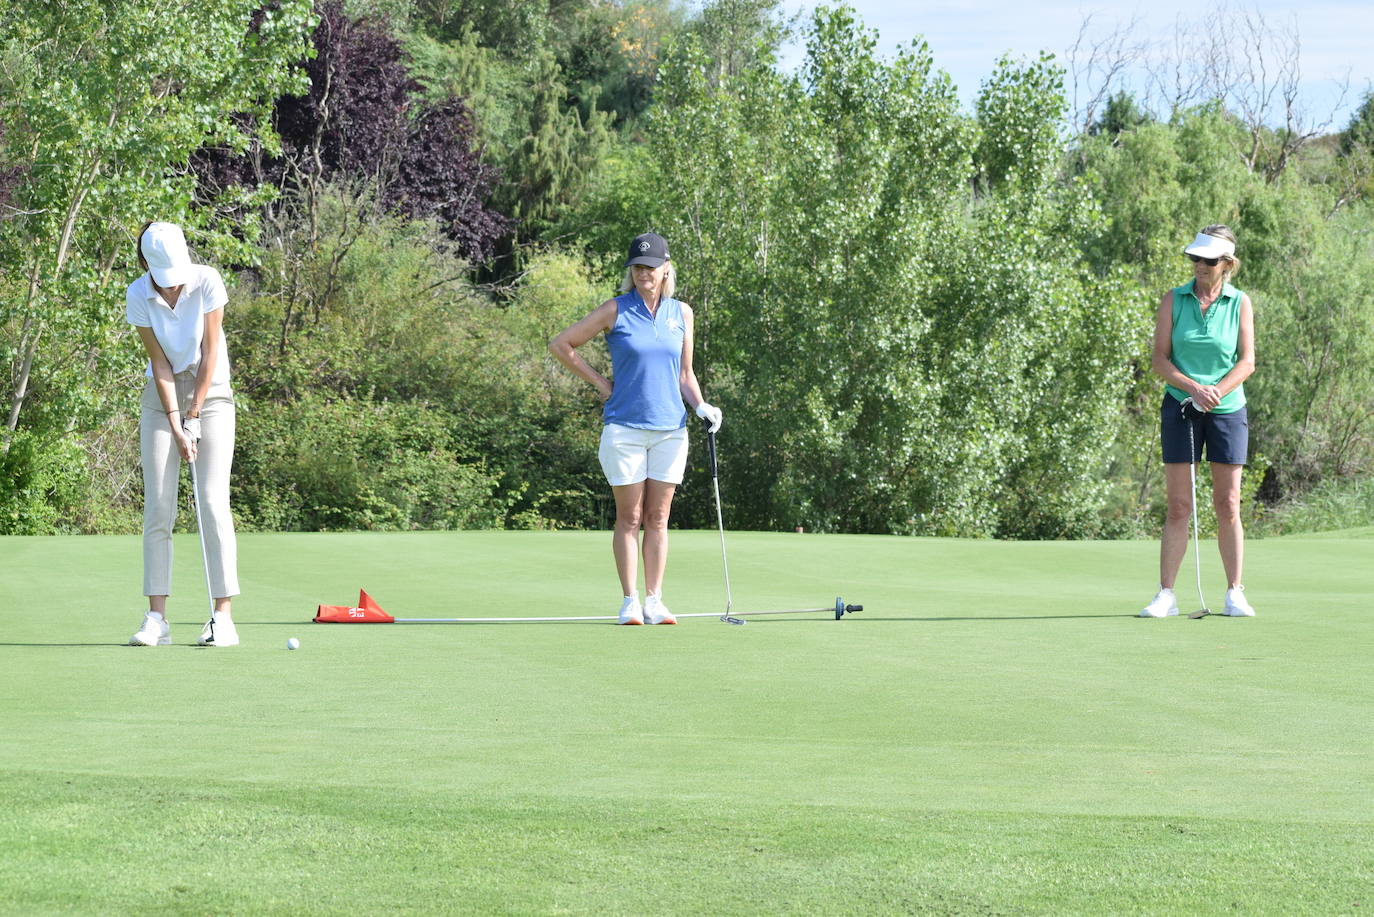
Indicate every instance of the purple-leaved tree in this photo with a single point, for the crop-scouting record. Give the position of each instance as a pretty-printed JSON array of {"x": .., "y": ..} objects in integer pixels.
[{"x": 361, "y": 119}]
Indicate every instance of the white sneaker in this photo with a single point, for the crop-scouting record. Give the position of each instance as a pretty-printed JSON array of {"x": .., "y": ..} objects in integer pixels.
[
  {"x": 1236, "y": 604},
  {"x": 219, "y": 631},
  {"x": 630, "y": 612},
  {"x": 154, "y": 632},
  {"x": 655, "y": 612},
  {"x": 1161, "y": 606}
]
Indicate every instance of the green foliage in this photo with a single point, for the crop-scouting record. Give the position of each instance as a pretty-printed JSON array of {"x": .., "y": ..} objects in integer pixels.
[
  {"x": 555, "y": 157},
  {"x": 1305, "y": 264},
  {"x": 607, "y": 54},
  {"x": 104, "y": 102},
  {"x": 738, "y": 34},
  {"x": 408, "y": 387},
  {"x": 498, "y": 89},
  {"x": 546, "y": 146},
  {"x": 1020, "y": 113},
  {"x": 918, "y": 319},
  {"x": 1122, "y": 113},
  {"x": 1360, "y": 131},
  {"x": 1334, "y": 504},
  {"x": 1313, "y": 401},
  {"x": 516, "y": 27},
  {"x": 555, "y": 290},
  {"x": 1159, "y": 183},
  {"x": 328, "y": 465},
  {"x": 621, "y": 200},
  {"x": 41, "y": 484},
  {"x": 894, "y": 355}
]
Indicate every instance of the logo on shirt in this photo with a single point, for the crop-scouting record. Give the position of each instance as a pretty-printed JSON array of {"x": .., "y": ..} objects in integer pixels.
[{"x": 674, "y": 326}]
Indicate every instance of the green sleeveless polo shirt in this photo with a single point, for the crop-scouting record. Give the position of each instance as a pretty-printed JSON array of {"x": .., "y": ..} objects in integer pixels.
[{"x": 1205, "y": 347}]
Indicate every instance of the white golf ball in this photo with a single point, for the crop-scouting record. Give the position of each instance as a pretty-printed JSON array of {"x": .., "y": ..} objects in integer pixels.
[{"x": 293, "y": 644}]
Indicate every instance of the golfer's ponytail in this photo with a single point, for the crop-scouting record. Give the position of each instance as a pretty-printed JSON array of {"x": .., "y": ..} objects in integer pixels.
[
  {"x": 1222, "y": 231},
  {"x": 138, "y": 244}
]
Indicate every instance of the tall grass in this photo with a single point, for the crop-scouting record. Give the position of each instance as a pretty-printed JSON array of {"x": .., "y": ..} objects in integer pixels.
[{"x": 1334, "y": 504}]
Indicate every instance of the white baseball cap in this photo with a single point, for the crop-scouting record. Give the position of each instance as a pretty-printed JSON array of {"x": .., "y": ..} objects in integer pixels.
[
  {"x": 1205, "y": 246},
  {"x": 164, "y": 248}
]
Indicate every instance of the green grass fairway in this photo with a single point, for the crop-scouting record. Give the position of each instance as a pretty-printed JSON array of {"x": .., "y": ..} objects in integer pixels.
[{"x": 995, "y": 734}]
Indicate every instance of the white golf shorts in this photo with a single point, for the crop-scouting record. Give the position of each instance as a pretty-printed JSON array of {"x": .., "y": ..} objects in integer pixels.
[{"x": 629, "y": 455}]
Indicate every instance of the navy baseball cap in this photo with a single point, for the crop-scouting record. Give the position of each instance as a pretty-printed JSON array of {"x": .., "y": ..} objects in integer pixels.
[{"x": 647, "y": 248}]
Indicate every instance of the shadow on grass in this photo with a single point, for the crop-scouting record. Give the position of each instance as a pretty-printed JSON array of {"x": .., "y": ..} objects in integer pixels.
[
  {"x": 1002, "y": 618},
  {"x": 768, "y": 620},
  {"x": 771, "y": 619}
]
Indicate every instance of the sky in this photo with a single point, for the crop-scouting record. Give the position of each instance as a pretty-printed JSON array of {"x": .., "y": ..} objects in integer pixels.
[{"x": 966, "y": 37}]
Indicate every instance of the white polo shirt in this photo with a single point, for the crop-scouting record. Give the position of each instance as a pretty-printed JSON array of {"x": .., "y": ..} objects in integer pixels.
[{"x": 181, "y": 330}]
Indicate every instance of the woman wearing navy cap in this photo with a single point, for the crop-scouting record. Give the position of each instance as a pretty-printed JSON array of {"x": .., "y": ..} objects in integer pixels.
[
  {"x": 1204, "y": 349},
  {"x": 644, "y": 438},
  {"x": 187, "y": 414}
]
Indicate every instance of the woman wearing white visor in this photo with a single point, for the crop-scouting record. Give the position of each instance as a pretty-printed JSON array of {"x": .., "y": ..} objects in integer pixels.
[
  {"x": 1204, "y": 349},
  {"x": 187, "y": 414},
  {"x": 644, "y": 434}
]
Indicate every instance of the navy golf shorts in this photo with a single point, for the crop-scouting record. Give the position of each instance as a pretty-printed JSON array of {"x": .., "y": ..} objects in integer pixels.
[{"x": 1226, "y": 436}]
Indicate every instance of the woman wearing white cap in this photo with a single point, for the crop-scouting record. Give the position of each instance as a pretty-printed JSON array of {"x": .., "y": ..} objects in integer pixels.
[
  {"x": 644, "y": 435},
  {"x": 187, "y": 414},
  {"x": 1204, "y": 349}
]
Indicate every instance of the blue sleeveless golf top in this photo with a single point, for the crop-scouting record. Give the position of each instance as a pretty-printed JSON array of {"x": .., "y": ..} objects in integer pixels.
[{"x": 646, "y": 362}]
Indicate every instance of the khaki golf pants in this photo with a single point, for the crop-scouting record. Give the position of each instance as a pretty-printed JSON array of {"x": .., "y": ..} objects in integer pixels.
[{"x": 161, "y": 473}]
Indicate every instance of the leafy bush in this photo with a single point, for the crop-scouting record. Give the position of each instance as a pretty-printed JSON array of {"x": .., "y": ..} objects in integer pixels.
[
  {"x": 332, "y": 465},
  {"x": 41, "y": 484},
  {"x": 399, "y": 369},
  {"x": 898, "y": 354}
]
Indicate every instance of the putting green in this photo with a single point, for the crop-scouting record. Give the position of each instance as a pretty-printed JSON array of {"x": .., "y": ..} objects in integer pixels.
[{"x": 995, "y": 732}]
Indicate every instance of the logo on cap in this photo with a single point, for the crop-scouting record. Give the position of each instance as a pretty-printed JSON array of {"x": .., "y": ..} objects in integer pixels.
[{"x": 644, "y": 246}]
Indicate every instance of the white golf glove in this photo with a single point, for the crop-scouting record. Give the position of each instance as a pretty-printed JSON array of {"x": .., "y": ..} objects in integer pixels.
[
  {"x": 191, "y": 427},
  {"x": 710, "y": 412}
]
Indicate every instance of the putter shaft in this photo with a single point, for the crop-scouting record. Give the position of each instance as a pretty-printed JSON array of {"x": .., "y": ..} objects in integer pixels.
[{"x": 1192, "y": 481}]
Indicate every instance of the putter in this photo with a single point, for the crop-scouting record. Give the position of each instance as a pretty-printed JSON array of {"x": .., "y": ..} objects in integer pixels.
[
  {"x": 725, "y": 617},
  {"x": 1203, "y": 611}
]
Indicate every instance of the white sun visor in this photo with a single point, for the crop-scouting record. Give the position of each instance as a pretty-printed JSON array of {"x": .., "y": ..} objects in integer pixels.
[{"x": 1205, "y": 246}]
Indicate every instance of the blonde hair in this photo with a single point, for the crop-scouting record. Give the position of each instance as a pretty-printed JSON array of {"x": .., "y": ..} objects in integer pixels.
[
  {"x": 669, "y": 280},
  {"x": 1222, "y": 231}
]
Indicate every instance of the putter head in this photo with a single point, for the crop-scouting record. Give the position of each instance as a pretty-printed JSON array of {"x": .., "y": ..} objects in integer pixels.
[
  {"x": 1200, "y": 613},
  {"x": 728, "y": 619}
]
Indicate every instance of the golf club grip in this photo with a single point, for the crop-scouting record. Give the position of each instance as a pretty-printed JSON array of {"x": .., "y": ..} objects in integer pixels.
[{"x": 710, "y": 445}]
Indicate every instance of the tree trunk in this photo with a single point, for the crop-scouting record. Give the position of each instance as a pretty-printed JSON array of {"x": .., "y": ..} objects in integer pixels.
[
  {"x": 33, "y": 331},
  {"x": 28, "y": 346}
]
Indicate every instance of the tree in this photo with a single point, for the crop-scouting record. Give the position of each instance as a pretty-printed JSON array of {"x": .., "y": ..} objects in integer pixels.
[
  {"x": 1359, "y": 133},
  {"x": 516, "y": 27},
  {"x": 1019, "y": 111},
  {"x": 363, "y": 119},
  {"x": 891, "y": 348},
  {"x": 1121, "y": 113},
  {"x": 738, "y": 34},
  {"x": 102, "y": 129},
  {"x": 556, "y": 156}
]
